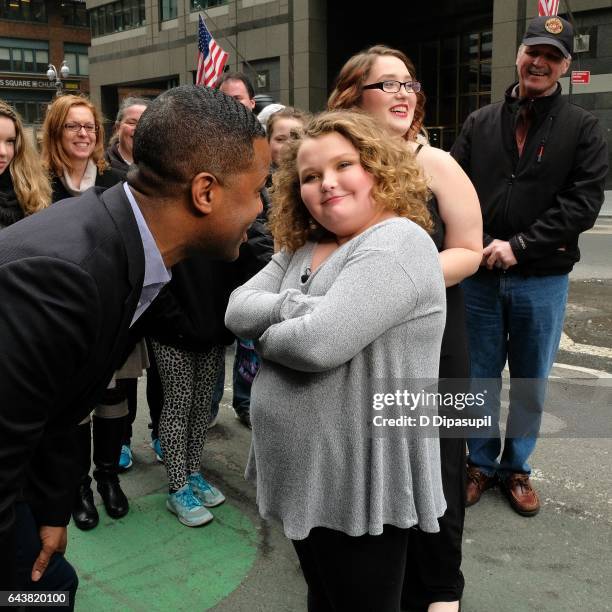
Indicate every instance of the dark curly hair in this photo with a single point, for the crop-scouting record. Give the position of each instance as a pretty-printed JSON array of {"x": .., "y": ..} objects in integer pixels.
[{"x": 191, "y": 129}]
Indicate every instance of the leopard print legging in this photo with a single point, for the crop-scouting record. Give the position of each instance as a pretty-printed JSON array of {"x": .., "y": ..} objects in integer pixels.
[{"x": 188, "y": 380}]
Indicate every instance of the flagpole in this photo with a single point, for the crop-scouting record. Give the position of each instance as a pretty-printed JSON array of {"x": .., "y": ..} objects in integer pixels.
[
  {"x": 570, "y": 14},
  {"x": 239, "y": 55}
]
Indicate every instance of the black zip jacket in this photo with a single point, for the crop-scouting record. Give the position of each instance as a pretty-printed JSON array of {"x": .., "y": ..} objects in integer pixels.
[
  {"x": 189, "y": 312},
  {"x": 541, "y": 201},
  {"x": 113, "y": 157}
]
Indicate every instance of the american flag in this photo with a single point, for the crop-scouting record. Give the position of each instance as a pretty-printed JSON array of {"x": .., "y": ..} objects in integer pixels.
[
  {"x": 548, "y": 7},
  {"x": 211, "y": 57}
]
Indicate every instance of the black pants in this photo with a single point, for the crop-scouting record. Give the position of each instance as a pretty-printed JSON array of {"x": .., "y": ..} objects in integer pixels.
[
  {"x": 362, "y": 574},
  {"x": 59, "y": 575},
  {"x": 433, "y": 568},
  {"x": 130, "y": 388}
]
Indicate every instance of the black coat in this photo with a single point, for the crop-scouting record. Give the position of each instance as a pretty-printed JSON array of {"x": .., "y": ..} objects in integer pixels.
[
  {"x": 113, "y": 157},
  {"x": 189, "y": 312},
  {"x": 542, "y": 200},
  {"x": 70, "y": 279},
  {"x": 106, "y": 179}
]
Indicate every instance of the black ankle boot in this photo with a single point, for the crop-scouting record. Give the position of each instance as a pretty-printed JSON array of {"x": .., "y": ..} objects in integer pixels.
[
  {"x": 84, "y": 511},
  {"x": 107, "y": 436},
  {"x": 114, "y": 498}
]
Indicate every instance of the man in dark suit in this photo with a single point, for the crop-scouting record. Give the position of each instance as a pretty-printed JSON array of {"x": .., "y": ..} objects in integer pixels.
[{"x": 75, "y": 277}]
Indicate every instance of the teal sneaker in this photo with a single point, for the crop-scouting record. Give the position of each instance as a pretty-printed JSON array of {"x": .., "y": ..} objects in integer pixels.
[
  {"x": 210, "y": 496},
  {"x": 157, "y": 449},
  {"x": 125, "y": 458},
  {"x": 188, "y": 508}
]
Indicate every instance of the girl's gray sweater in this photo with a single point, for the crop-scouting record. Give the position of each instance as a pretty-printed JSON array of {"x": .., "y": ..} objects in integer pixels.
[{"x": 368, "y": 319}]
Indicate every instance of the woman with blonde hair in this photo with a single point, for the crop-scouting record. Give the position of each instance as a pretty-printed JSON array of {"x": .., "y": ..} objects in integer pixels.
[
  {"x": 24, "y": 186},
  {"x": 382, "y": 82},
  {"x": 73, "y": 147},
  {"x": 350, "y": 218}
]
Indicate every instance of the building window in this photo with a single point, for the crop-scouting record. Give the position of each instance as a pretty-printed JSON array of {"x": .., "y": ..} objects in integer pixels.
[
  {"x": 116, "y": 17},
  {"x": 167, "y": 10},
  {"x": 17, "y": 55},
  {"x": 31, "y": 111},
  {"x": 456, "y": 75},
  {"x": 198, "y": 5},
  {"x": 23, "y": 10},
  {"x": 77, "y": 59},
  {"x": 74, "y": 14},
  {"x": 265, "y": 76}
]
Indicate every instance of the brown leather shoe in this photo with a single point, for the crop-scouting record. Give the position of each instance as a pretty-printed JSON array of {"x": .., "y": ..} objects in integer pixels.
[
  {"x": 521, "y": 494},
  {"x": 477, "y": 483}
]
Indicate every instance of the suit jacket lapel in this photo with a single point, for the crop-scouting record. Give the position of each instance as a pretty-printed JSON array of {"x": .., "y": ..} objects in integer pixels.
[{"x": 119, "y": 208}]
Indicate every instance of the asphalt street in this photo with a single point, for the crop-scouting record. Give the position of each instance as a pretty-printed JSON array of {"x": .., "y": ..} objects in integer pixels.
[{"x": 558, "y": 561}]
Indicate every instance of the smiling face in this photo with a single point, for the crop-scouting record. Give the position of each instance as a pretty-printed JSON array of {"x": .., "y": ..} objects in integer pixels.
[
  {"x": 281, "y": 132},
  {"x": 8, "y": 137},
  {"x": 335, "y": 188},
  {"x": 79, "y": 146},
  {"x": 395, "y": 111},
  {"x": 127, "y": 127},
  {"x": 539, "y": 68}
]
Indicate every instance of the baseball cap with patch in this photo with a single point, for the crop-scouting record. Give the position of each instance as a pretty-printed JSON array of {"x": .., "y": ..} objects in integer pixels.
[{"x": 551, "y": 30}]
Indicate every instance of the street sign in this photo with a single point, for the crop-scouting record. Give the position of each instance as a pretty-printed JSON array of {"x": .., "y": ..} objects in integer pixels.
[{"x": 581, "y": 77}]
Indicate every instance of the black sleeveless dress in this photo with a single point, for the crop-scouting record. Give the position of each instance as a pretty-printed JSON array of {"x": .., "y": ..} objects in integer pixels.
[{"x": 433, "y": 567}]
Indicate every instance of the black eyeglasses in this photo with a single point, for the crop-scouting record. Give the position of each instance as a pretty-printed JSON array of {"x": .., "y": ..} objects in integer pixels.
[{"x": 395, "y": 86}]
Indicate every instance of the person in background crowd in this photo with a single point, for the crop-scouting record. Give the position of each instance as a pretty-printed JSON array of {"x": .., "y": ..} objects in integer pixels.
[
  {"x": 73, "y": 152},
  {"x": 382, "y": 82},
  {"x": 255, "y": 253},
  {"x": 100, "y": 261},
  {"x": 239, "y": 87},
  {"x": 24, "y": 186},
  {"x": 345, "y": 213},
  {"x": 279, "y": 128},
  {"x": 246, "y": 362},
  {"x": 73, "y": 148},
  {"x": 267, "y": 112},
  {"x": 119, "y": 155},
  {"x": 540, "y": 186},
  {"x": 188, "y": 338}
]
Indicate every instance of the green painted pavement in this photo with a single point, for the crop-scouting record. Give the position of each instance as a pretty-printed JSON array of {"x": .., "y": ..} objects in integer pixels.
[{"x": 148, "y": 561}]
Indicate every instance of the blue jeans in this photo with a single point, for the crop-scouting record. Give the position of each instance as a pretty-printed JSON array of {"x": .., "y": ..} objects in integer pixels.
[
  {"x": 241, "y": 401},
  {"x": 520, "y": 319}
]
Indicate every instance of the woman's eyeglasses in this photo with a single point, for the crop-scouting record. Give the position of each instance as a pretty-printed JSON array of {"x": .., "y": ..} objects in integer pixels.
[
  {"x": 395, "y": 86},
  {"x": 90, "y": 128}
]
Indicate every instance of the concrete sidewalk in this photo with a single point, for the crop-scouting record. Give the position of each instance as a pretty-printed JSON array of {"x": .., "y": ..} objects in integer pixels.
[{"x": 557, "y": 561}]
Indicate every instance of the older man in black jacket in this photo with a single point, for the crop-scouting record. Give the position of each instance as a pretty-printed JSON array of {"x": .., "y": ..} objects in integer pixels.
[
  {"x": 76, "y": 276},
  {"x": 539, "y": 188}
]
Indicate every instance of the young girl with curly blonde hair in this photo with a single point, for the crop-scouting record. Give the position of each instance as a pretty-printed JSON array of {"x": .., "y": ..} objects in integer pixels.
[{"x": 353, "y": 302}]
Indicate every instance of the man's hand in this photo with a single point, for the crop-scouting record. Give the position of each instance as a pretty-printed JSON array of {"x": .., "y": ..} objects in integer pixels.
[
  {"x": 53, "y": 539},
  {"x": 498, "y": 254}
]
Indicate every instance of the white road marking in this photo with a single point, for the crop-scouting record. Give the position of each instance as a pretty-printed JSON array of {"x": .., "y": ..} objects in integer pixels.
[{"x": 567, "y": 344}]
